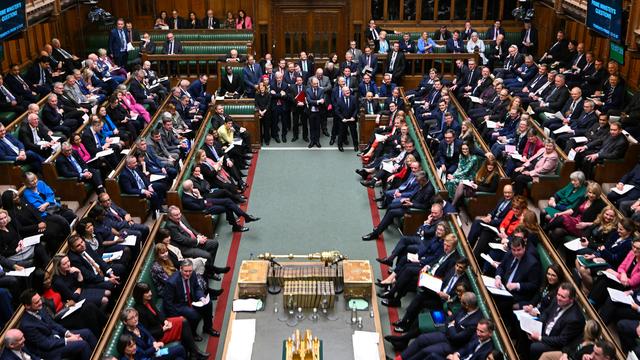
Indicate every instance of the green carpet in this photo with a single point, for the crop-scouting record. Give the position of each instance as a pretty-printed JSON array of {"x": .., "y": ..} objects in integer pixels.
[{"x": 309, "y": 201}]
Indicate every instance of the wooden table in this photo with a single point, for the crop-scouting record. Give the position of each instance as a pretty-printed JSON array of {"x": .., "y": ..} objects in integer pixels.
[{"x": 335, "y": 335}]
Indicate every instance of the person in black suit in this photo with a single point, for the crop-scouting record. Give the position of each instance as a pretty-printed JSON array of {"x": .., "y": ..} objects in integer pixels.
[
  {"x": 458, "y": 332},
  {"x": 14, "y": 347},
  {"x": 35, "y": 137},
  {"x": 175, "y": 22},
  {"x": 307, "y": 65},
  {"x": 347, "y": 113},
  {"x": 315, "y": 108},
  {"x": 562, "y": 323},
  {"x": 11, "y": 102},
  {"x": 528, "y": 39},
  {"x": 133, "y": 181},
  {"x": 429, "y": 299},
  {"x": 118, "y": 44},
  {"x": 555, "y": 99},
  {"x": 298, "y": 109},
  {"x": 479, "y": 347},
  {"x": 18, "y": 86},
  {"x": 69, "y": 60},
  {"x": 39, "y": 76},
  {"x": 612, "y": 147},
  {"x": 191, "y": 243},
  {"x": 11, "y": 149},
  {"x": 278, "y": 90},
  {"x": 70, "y": 165},
  {"x": 448, "y": 153},
  {"x": 494, "y": 218},
  {"x": 171, "y": 47},
  {"x": 558, "y": 51},
  {"x": 58, "y": 118},
  {"x": 454, "y": 44},
  {"x": 396, "y": 64},
  {"x": 470, "y": 77},
  {"x": 493, "y": 31},
  {"x": 442, "y": 34},
  {"x": 194, "y": 201},
  {"x": 139, "y": 90},
  {"x": 47, "y": 338},
  {"x": 467, "y": 31},
  {"x": 147, "y": 46},
  {"x": 210, "y": 21},
  {"x": 231, "y": 84},
  {"x": 95, "y": 272},
  {"x": 571, "y": 111},
  {"x": 372, "y": 33},
  {"x": 180, "y": 292}
]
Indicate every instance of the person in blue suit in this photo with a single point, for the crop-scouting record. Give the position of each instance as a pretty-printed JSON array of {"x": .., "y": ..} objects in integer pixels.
[
  {"x": 118, "y": 44},
  {"x": 347, "y": 113},
  {"x": 42, "y": 197},
  {"x": 251, "y": 75},
  {"x": 455, "y": 45},
  {"x": 11, "y": 149},
  {"x": 46, "y": 338},
  {"x": 180, "y": 292},
  {"x": 14, "y": 348},
  {"x": 198, "y": 90},
  {"x": 133, "y": 181},
  {"x": 119, "y": 219}
]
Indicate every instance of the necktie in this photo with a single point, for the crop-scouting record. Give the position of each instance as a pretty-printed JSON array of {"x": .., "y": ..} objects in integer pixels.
[
  {"x": 24, "y": 84},
  {"x": 551, "y": 94},
  {"x": 369, "y": 60},
  {"x": 346, "y": 100},
  {"x": 299, "y": 89},
  {"x": 171, "y": 48},
  {"x": 450, "y": 150},
  {"x": 370, "y": 107},
  {"x": 470, "y": 76},
  {"x": 93, "y": 263},
  {"x": 115, "y": 213},
  {"x": 186, "y": 229},
  {"x": 95, "y": 136},
  {"x": 527, "y": 39},
  {"x": 495, "y": 33},
  {"x": 374, "y": 32},
  {"x": 75, "y": 164},
  {"x": 36, "y": 137},
  {"x": 215, "y": 153},
  {"x": 393, "y": 60},
  {"x": 187, "y": 291},
  {"x": 304, "y": 66},
  {"x": 7, "y": 94},
  {"x": 453, "y": 280},
  {"x": 210, "y": 23},
  {"x": 43, "y": 76},
  {"x": 573, "y": 106},
  {"x": 123, "y": 40},
  {"x": 138, "y": 179},
  {"x": 512, "y": 270},
  {"x": 15, "y": 149},
  {"x": 175, "y": 23},
  {"x": 251, "y": 67},
  {"x": 553, "y": 321}
]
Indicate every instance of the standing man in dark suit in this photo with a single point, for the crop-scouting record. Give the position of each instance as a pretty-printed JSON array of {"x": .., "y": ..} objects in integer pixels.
[
  {"x": 118, "y": 44},
  {"x": 469, "y": 79},
  {"x": 175, "y": 22},
  {"x": 307, "y": 65},
  {"x": 347, "y": 114},
  {"x": 180, "y": 292},
  {"x": 562, "y": 323},
  {"x": 315, "y": 109},
  {"x": 368, "y": 62},
  {"x": 132, "y": 181},
  {"x": 528, "y": 39},
  {"x": 171, "y": 47},
  {"x": 279, "y": 89},
  {"x": 297, "y": 97},
  {"x": 495, "y": 30},
  {"x": 191, "y": 243},
  {"x": 396, "y": 64},
  {"x": 210, "y": 22},
  {"x": 46, "y": 337},
  {"x": 14, "y": 348},
  {"x": 251, "y": 75},
  {"x": 70, "y": 165}
]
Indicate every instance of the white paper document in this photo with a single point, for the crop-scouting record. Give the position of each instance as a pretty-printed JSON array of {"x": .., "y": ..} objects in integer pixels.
[
  {"x": 388, "y": 166},
  {"x": 243, "y": 335},
  {"x": 112, "y": 256},
  {"x": 130, "y": 240},
  {"x": 522, "y": 314},
  {"x": 510, "y": 149},
  {"x": 490, "y": 124},
  {"x": 563, "y": 129},
  {"x": 31, "y": 240},
  {"x": 611, "y": 276},
  {"x": 430, "y": 282},
  {"x": 237, "y": 142},
  {"x": 202, "y": 303},
  {"x": 21, "y": 273},
  {"x": 571, "y": 155},
  {"x": 413, "y": 257},
  {"x": 379, "y": 137},
  {"x": 516, "y": 156},
  {"x": 114, "y": 139},
  {"x": 497, "y": 246},
  {"x": 365, "y": 345},
  {"x": 250, "y": 305},
  {"x": 102, "y": 153},
  {"x": 492, "y": 228},
  {"x": 556, "y": 115},
  {"x": 530, "y": 325},
  {"x": 580, "y": 139},
  {"x": 490, "y": 283},
  {"x": 73, "y": 308},
  {"x": 625, "y": 189},
  {"x": 620, "y": 296},
  {"x": 468, "y": 183},
  {"x": 574, "y": 245},
  {"x": 475, "y": 99},
  {"x": 229, "y": 148},
  {"x": 155, "y": 177},
  {"x": 487, "y": 258}
]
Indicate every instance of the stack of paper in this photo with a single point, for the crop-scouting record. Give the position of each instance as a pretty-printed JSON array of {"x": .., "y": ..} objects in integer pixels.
[
  {"x": 112, "y": 256},
  {"x": 620, "y": 296},
  {"x": 490, "y": 283},
  {"x": 563, "y": 129},
  {"x": 21, "y": 273},
  {"x": 73, "y": 308},
  {"x": 497, "y": 246},
  {"x": 365, "y": 345},
  {"x": 430, "y": 282},
  {"x": 247, "y": 305},
  {"x": 129, "y": 240},
  {"x": 243, "y": 334},
  {"x": 530, "y": 325},
  {"x": 625, "y": 189},
  {"x": 490, "y": 124},
  {"x": 31, "y": 240},
  {"x": 574, "y": 245},
  {"x": 492, "y": 228}
]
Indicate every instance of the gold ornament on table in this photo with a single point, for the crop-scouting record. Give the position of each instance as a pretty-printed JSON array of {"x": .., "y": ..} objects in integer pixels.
[
  {"x": 307, "y": 348},
  {"x": 327, "y": 257}
]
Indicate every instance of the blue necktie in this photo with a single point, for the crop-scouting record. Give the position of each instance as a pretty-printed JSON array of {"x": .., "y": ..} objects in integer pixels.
[
  {"x": 75, "y": 164},
  {"x": 138, "y": 179}
]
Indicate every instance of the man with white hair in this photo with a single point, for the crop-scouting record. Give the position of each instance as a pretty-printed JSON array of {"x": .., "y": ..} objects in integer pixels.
[
  {"x": 72, "y": 89},
  {"x": 155, "y": 83},
  {"x": 70, "y": 61},
  {"x": 14, "y": 348},
  {"x": 35, "y": 137},
  {"x": 61, "y": 117}
]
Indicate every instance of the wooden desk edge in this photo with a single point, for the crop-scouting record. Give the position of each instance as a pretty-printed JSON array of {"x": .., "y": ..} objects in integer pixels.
[{"x": 374, "y": 303}]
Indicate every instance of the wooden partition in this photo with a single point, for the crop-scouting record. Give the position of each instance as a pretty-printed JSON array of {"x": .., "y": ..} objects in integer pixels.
[{"x": 367, "y": 122}]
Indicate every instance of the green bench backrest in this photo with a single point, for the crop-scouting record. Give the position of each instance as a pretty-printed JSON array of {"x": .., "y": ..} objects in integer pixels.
[
  {"x": 512, "y": 37},
  {"x": 416, "y": 141},
  {"x": 239, "y": 109},
  {"x": 194, "y": 147},
  {"x": 209, "y": 49}
]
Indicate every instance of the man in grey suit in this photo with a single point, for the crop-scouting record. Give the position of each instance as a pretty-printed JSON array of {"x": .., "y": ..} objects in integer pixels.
[{"x": 324, "y": 83}]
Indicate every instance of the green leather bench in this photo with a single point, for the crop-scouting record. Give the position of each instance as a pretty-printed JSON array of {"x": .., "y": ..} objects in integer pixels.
[
  {"x": 6, "y": 117},
  {"x": 512, "y": 37},
  {"x": 157, "y": 38},
  {"x": 239, "y": 109}
]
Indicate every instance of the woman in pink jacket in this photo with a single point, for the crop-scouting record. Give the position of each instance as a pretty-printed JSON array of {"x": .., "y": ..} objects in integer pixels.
[
  {"x": 130, "y": 103},
  {"x": 243, "y": 21},
  {"x": 545, "y": 161}
]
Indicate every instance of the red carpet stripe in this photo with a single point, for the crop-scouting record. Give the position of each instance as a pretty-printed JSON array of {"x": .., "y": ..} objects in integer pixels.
[
  {"x": 221, "y": 306},
  {"x": 382, "y": 251}
]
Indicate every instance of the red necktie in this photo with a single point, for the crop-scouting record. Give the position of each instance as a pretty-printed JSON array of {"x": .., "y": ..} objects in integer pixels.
[
  {"x": 186, "y": 229},
  {"x": 187, "y": 291}
]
